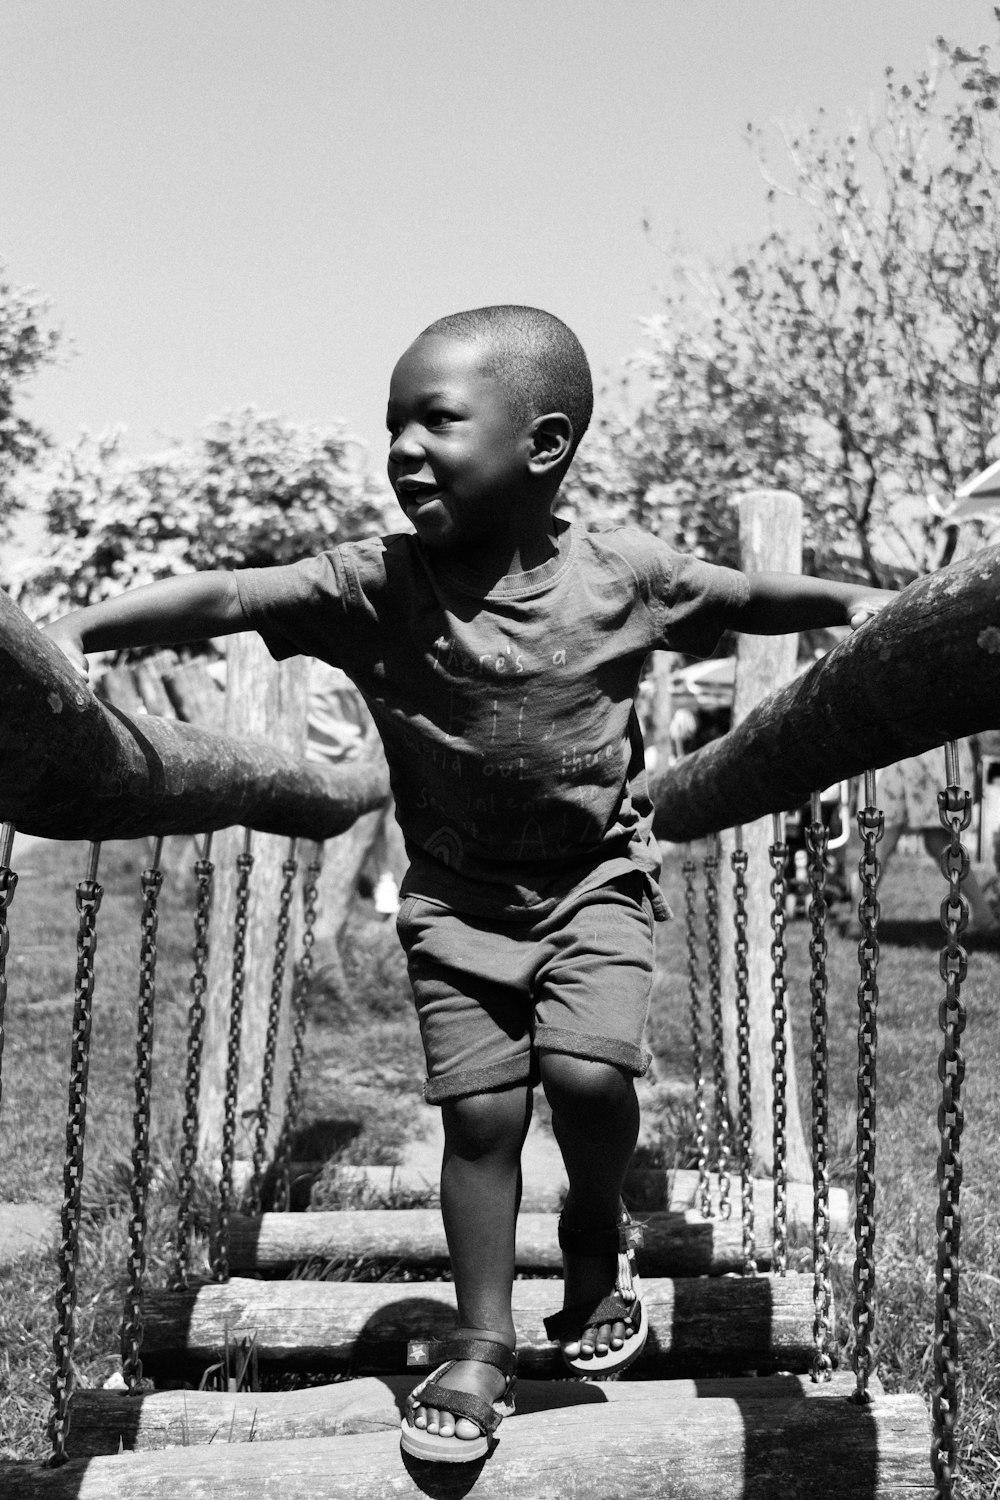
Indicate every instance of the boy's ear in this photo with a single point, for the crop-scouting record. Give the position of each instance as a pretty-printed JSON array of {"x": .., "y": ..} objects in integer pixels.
[{"x": 551, "y": 438}]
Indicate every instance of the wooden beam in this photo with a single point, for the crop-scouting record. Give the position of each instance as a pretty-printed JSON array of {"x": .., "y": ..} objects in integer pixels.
[
  {"x": 112, "y": 1421},
  {"x": 926, "y": 670},
  {"x": 699, "y": 1325},
  {"x": 715, "y": 1449},
  {"x": 74, "y": 768},
  {"x": 676, "y": 1244},
  {"x": 646, "y": 1190}
]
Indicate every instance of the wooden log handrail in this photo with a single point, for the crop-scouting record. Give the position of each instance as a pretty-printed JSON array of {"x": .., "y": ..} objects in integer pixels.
[
  {"x": 74, "y": 768},
  {"x": 925, "y": 671}
]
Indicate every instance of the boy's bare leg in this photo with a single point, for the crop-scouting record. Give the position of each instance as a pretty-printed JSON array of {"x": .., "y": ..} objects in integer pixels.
[
  {"x": 595, "y": 1118},
  {"x": 480, "y": 1195}
]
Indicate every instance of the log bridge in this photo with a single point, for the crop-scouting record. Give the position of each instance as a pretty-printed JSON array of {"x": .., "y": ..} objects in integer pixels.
[{"x": 728, "y": 1398}]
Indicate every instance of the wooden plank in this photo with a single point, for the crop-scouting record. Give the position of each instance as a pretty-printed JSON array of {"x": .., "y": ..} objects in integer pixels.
[
  {"x": 676, "y": 1244},
  {"x": 698, "y": 1326},
  {"x": 75, "y": 769},
  {"x": 598, "y": 1450},
  {"x": 111, "y": 1421},
  {"x": 646, "y": 1190},
  {"x": 926, "y": 670}
]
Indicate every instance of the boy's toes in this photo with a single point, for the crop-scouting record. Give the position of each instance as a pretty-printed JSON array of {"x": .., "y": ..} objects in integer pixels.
[
  {"x": 443, "y": 1423},
  {"x": 597, "y": 1341}
]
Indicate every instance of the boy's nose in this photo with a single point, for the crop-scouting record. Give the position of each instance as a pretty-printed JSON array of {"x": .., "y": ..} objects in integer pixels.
[{"x": 405, "y": 445}]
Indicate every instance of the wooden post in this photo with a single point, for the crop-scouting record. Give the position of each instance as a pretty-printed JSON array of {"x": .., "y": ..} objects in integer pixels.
[
  {"x": 267, "y": 700},
  {"x": 770, "y": 541}
]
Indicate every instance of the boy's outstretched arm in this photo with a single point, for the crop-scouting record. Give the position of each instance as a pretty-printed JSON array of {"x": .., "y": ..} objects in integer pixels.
[
  {"x": 168, "y": 613},
  {"x": 780, "y": 603}
]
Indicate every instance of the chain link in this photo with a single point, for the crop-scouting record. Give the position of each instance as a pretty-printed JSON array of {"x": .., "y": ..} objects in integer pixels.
[
  {"x": 244, "y": 866},
  {"x": 778, "y": 855},
  {"x": 88, "y": 901},
  {"x": 723, "y": 1125},
  {"x": 955, "y": 807},
  {"x": 131, "y": 1340},
  {"x": 300, "y": 994},
  {"x": 203, "y": 871},
  {"x": 817, "y": 839},
  {"x": 289, "y": 870},
  {"x": 871, "y": 825},
  {"x": 703, "y": 1195},
  {"x": 739, "y": 860},
  {"x": 8, "y": 885}
]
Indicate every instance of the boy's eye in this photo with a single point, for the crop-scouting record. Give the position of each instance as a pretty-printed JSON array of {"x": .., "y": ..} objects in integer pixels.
[{"x": 440, "y": 417}]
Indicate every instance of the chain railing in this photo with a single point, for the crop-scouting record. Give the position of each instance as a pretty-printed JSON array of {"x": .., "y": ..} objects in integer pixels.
[
  {"x": 871, "y": 827},
  {"x": 956, "y": 812},
  {"x": 817, "y": 840},
  {"x": 220, "y": 1249},
  {"x": 8, "y": 885},
  {"x": 289, "y": 871},
  {"x": 778, "y": 855},
  {"x": 152, "y": 881},
  {"x": 88, "y": 902},
  {"x": 203, "y": 873}
]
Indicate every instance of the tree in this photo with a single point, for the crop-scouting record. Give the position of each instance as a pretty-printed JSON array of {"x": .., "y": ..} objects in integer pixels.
[
  {"x": 25, "y": 346},
  {"x": 250, "y": 491},
  {"x": 852, "y": 356}
]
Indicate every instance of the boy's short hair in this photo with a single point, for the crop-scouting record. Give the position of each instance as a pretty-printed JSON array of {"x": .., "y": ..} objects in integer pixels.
[{"x": 536, "y": 358}]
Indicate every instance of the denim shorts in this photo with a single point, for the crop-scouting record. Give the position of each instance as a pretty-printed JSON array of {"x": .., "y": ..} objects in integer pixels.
[{"x": 491, "y": 995}]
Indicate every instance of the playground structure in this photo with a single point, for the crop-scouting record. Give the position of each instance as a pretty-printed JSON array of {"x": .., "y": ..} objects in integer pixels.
[{"x": 722, "y": 1301}]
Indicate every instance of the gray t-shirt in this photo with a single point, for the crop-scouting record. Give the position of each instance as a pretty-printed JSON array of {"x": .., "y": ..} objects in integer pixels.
[{"x": 506, "y": 709}]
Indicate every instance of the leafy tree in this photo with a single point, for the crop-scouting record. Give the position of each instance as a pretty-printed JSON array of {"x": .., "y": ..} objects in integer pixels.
[
  {"x": 852, "y": 356},
  {"x": 252, "y": 490},
  {"x": 25, "y": 346}
]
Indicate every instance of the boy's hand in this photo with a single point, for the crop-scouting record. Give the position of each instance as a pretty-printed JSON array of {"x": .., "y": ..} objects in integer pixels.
[
  {"x": 866, "y": 609},
  {"x": 69, "y": 644}
]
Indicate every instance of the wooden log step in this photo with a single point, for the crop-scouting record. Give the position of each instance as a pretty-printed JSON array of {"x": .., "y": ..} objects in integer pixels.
[
  {"x": 676, "y": 1244},
  {"x": 719, "y": 1449},
  {"x": 699, "y": 1325},
  {"x": 647, "y": 1189},
  {"x": 111, "y": 1421}
]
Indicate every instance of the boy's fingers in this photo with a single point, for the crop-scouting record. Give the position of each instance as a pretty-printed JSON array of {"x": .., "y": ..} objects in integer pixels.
[{"x": 862, "y": 613}]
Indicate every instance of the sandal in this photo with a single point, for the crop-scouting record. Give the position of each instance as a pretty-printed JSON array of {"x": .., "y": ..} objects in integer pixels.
[
  {"x": 623, "y": 1305},
  {"x": 487, "y": 1415}
]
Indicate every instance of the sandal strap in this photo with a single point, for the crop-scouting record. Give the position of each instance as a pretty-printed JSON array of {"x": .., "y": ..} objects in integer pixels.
[
  {"x": 484, "y": 1351},
  {"x": 441, "y": 1397},
  {"x": 570, "y": 1322}
]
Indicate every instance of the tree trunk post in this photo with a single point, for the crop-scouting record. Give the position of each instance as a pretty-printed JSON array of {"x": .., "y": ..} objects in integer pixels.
[
  {"x": 265, "y": 700},
  {"x": 770, "y": 541}
]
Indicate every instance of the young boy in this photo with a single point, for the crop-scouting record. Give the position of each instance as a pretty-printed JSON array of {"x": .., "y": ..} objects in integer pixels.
[{"x": 499, "y": 649}]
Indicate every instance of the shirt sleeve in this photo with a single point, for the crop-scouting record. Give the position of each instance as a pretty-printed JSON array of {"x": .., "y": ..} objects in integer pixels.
[
  {"x": 298, "y": 608},
  {"x": 694, "y": 602}
]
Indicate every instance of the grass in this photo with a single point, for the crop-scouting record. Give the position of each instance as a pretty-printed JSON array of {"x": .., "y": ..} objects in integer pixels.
[{"x": 361, "y": 1083}]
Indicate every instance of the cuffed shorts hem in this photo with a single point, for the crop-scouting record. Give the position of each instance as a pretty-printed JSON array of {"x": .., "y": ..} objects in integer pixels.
[
  {"x": 593, "y": 1047},
  {"x": 522, "y": 1069}
]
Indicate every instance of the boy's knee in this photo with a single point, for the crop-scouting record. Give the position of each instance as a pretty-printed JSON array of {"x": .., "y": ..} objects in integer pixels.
[
  {"x": 479, "y": 1124},
  {"x": 582, "y": 1084}
]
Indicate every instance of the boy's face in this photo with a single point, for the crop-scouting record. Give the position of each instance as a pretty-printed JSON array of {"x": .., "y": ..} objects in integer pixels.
[{"x": 458, "y": 463}]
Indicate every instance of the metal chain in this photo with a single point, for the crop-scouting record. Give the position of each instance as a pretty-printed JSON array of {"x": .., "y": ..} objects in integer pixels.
[
  {"x": 300, "y": 993},
  {"x": 871, "y": 826},
  {"x": 778, "y": 854},
  {"x": 8, "y": 885},
  {"x": 244, "y": 866},
  {"x": 703, "y": 1195},
  {"x": 817, "y": 839},
  {"x": 289, "y": 870},
  {"x": 955, "y": 806},
  {"x": 88, "y": 901},
  {"x": 131, "y": 1340},
  {"x": 203, "y": 870},
  {"x": 739, "y": 860},
  {"x": 723, "y": 1125}
]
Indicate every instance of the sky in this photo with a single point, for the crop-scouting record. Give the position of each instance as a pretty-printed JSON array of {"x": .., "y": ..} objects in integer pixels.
[{"x": 262, "y": 202}]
